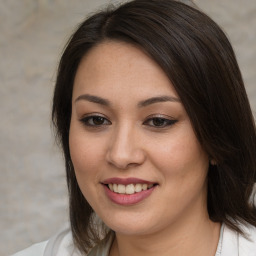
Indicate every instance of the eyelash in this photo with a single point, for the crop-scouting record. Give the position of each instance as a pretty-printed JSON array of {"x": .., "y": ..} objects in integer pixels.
[
  {"x": 164, "y": 122},
  {"x": 92, "y": 118},
  {"x": 89, "y": 121}
]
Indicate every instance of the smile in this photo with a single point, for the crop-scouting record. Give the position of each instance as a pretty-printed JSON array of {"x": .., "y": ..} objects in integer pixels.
[{"x": 129, "y": 189}]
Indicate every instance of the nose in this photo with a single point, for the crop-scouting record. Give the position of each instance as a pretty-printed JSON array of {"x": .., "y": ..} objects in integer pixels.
[{"x": 125, "y": 149}]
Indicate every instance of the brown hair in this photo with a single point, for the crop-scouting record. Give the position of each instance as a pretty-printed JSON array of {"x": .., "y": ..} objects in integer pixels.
[{"x": 198, "y": 59}]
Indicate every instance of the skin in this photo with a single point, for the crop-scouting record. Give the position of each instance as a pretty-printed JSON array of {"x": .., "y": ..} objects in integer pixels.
[{"x": 127, "y": 141}]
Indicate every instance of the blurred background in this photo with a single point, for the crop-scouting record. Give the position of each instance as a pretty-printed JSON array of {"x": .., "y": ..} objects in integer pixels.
[{"x": 33, "y": 196}]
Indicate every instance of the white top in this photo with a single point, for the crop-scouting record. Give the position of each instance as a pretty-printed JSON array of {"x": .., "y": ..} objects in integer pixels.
[{"x": 230, "y": 244}]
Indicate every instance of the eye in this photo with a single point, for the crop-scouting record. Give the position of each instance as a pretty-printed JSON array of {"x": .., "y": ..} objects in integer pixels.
[
  {"x": 95, "y": 121},
  {"x": 159, "y": 122}
]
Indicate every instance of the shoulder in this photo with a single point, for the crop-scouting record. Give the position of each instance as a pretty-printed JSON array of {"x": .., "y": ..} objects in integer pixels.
[
  {"x": 59, "y": 245},
  {"x": 247, "y": 245},
  {"x": 237, "y": 244},
  {"x": 36, "y": 249}
]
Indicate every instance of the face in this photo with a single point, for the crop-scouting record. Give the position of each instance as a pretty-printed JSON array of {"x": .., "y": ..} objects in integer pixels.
[{"x": 134, "y": 151}]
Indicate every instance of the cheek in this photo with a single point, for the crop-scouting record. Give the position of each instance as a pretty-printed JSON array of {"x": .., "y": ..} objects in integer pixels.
[
  {"x": 85, "y": 153},
  {"x": 182, "y": 162},
  {"x": 184, "y": 169},
  {"x": 86, "y": 162}
]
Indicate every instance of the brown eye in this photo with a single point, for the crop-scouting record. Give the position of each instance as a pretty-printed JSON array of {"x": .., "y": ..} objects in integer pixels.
[
  {"x": 98, "y": 120},
  {"x": 159, "y": 122},
  {"x": 95, "y": 121}
]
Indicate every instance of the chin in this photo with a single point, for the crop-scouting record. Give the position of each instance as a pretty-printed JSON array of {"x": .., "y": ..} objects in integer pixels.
[
  {"x": 131, "y": 225},
  {"x": 129, "y": 230}
]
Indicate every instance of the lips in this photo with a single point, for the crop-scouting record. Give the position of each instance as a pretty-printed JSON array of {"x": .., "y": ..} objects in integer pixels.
[{"x": 128, "y": 191}]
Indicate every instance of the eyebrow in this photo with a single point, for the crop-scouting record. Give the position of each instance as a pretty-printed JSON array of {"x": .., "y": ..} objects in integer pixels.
[
  {"x": 144, "y": 103},
  {"x": 94, "y": 99},
  {"x": 158, "y": 99}
]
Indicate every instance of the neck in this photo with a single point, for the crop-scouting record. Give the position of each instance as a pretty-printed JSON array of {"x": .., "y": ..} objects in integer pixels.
[{"x": 197, "y": 238}]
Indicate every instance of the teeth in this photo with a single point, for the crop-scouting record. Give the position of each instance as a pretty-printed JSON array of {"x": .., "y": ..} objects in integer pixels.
[
  {"x": 111, "y": 187},
  {"x": 121, "y": 189},
  {"x": 115, "y": 188},
  {"x": 138, "y": 188},
  {"x": 129, "y": 189},
  {"x": 144, "y": 187}
]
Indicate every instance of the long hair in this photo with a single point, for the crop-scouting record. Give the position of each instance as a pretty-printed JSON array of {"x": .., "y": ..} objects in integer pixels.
[{"x": 198, "y": 59}]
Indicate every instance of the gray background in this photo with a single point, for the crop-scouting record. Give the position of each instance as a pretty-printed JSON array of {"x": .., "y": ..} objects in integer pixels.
[{"x": 33, "y": 197}]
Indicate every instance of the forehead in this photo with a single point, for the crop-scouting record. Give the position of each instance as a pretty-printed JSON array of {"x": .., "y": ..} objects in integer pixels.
[{"x": 118, "y": 68}]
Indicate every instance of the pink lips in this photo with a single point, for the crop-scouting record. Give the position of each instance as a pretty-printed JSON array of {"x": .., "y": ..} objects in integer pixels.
[{"x": 124, "y": 199}]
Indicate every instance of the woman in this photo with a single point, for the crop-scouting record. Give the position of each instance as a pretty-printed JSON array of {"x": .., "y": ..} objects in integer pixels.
[{"x": 158, "y": 137}]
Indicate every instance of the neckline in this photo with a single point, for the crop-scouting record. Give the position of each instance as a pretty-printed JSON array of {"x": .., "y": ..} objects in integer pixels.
[{"x": 219, "y": 246}]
